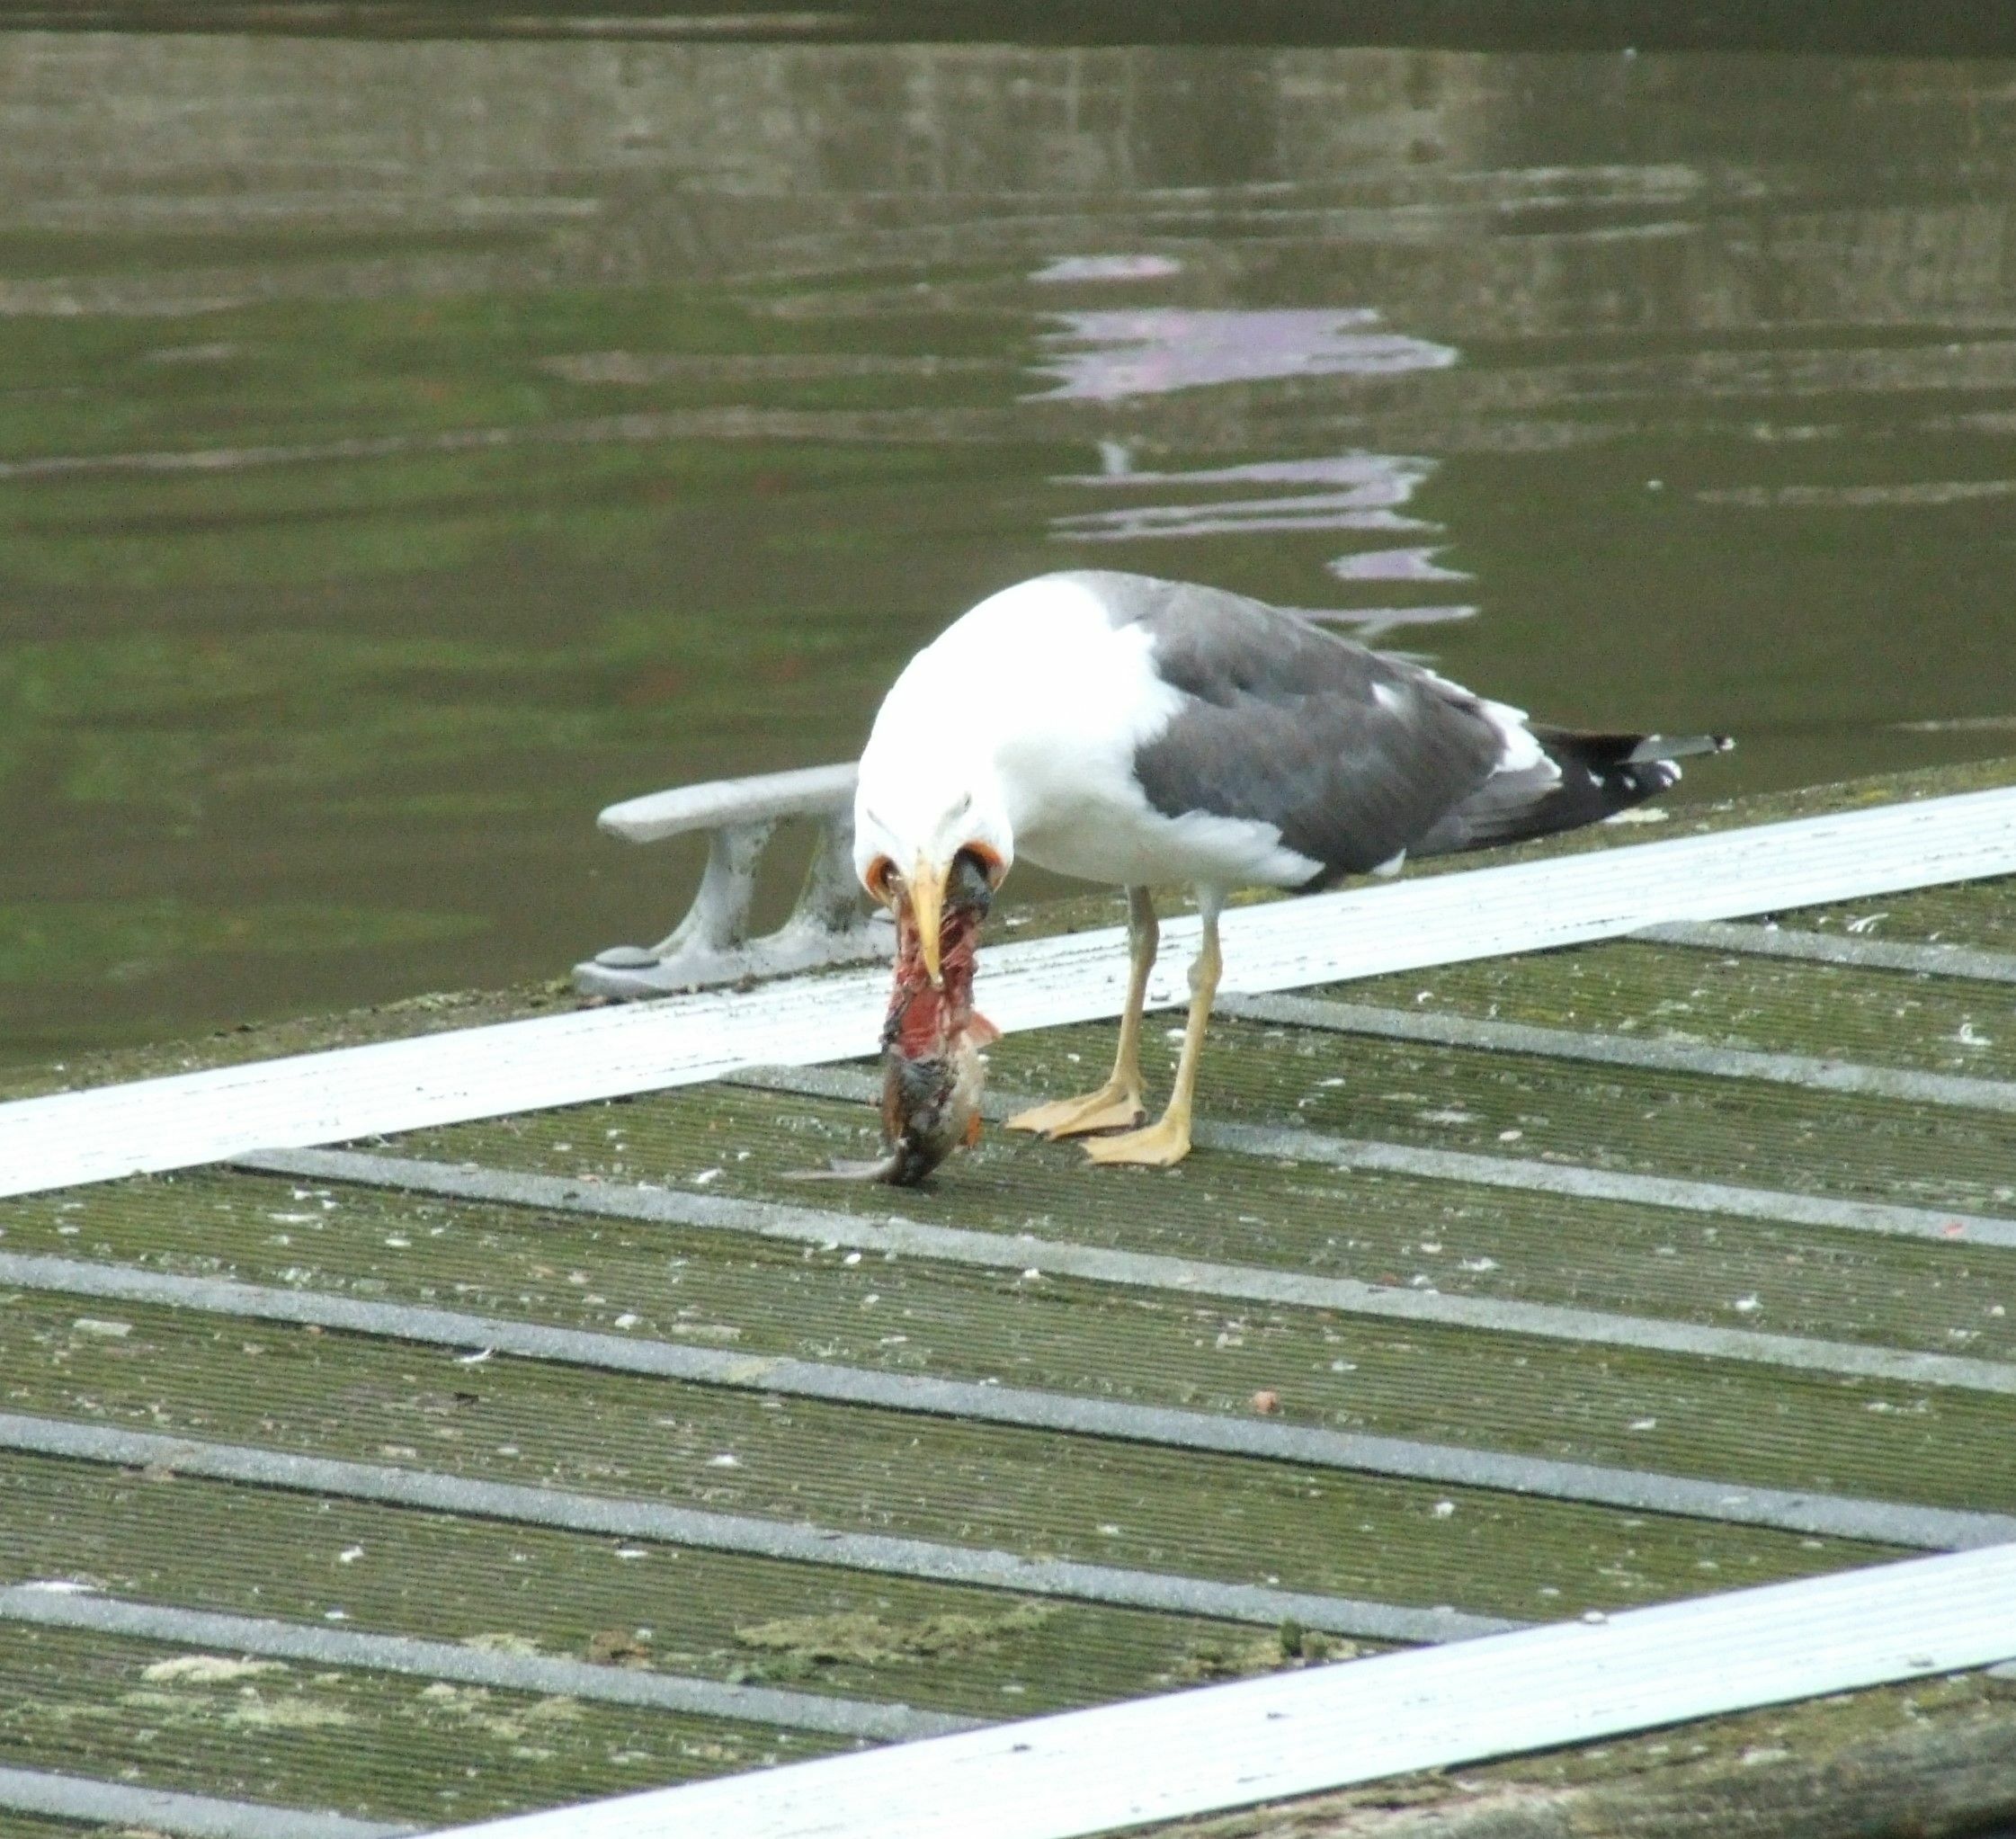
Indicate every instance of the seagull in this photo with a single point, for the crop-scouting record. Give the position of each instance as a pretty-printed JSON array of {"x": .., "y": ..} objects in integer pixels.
[{"x": 1150, "y": 732}]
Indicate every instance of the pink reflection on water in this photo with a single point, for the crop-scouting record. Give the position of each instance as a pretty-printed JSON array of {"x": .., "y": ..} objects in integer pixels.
[
  {"x": 1363, "y": 491},
  {"x": 1151, "y": 350},
  {"x": 1395, "y": 565},
  {"x": 1317, "y": 511},
  {"x": 1346, "y": 491},
  {"x": 1108, "y": 268}
]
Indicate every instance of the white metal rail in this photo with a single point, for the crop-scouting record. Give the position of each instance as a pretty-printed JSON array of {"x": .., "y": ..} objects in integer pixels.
[
  {"x": 333, "y": 1097},
  {"x": 1124, "y": 1765}
]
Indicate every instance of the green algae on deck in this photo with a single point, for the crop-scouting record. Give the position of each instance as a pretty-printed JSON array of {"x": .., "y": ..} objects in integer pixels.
[
  {"x": 715, "y": 1615},
  {"x": 383, "y": 1747}
]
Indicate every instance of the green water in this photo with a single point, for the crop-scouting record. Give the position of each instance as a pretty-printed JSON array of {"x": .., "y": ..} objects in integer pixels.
[{"x": 407, "y": 447}]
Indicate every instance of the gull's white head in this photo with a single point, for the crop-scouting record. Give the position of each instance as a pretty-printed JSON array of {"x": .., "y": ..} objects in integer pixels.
[{"x": 923, "y": 803}]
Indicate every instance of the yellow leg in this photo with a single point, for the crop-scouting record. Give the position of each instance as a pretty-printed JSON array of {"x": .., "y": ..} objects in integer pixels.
[
  {"x": 1117, "y": 1102},
  {"x": 1167, "y": 1139}
]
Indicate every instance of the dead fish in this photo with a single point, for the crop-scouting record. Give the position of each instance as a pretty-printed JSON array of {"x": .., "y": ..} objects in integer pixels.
[
  {"x": 930, "y": 1106},
  {"x": 932, "y": 1068}
]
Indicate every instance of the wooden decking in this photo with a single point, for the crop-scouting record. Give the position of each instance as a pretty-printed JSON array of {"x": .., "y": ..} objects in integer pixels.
[{"x": 500, "y": 1463}]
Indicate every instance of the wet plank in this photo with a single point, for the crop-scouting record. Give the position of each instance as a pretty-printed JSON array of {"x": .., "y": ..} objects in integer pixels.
[
  {"x": 1332, "y": 1217},
  {"x": 851, "y": 1468},
  {"x": 46, "y": 1604},
  {"x": 1980, "y": 917},
  {"x": 1624, "y": 1119},
  {"x": 743, "y": 1298},
  {"x": 71, "y": 1802},
  {"x": 986, "y": 1401},
  {"x": 1659, "y": 994},
  {"x": 536, "y": 1590}
]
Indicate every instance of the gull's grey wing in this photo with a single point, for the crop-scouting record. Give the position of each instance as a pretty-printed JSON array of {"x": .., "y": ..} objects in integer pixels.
[{"x": 1354, "y": 756}]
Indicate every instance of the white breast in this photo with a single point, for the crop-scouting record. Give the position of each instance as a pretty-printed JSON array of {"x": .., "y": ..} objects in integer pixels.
[{"x": 1039, "y": 683}]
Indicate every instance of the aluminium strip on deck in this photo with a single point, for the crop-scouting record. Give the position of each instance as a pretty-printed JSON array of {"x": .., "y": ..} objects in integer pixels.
[
  {"x": 1227, "y": 1747},
  {"x": 799, "y": 1542},
  {"x": 347, "y": 1092},
  {"x": 1526, "y": 1174},
  {"x": 1883, "y": 1522},
  {"x": 94, "y": 1803},
  {"x": 61, "y": 1606},
  {"x": 1489, "y": 1036},
  {"x": 1965, "y": 961},
  {"x": 1147, "y": 1269}
]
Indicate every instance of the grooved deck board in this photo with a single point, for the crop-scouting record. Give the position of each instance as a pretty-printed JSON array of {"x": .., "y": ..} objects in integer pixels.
[
  {"x": 1073, "y": 1414},
  {"x": 634, "y": 1519},
  {"x": 1959, "y": 964},
  {"x": 48, "y": 1804},
  {"x": 722, "y": 1157},
  {"x": 1652, "y": 994},
  {"x": 366, "y": 1652},
  {"x": 1689, "y": 1127},
  {"x": 524, "y": 1588},
  {"x": 1977, "y": 916},
  {"x": 1238, "y": 1519},
  {"x": 737, "y": 1293},
  {"x": 1491, "y": 1032}
]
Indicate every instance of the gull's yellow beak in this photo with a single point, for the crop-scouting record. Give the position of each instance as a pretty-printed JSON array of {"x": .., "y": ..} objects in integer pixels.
[{"x": 927, "y": 908}]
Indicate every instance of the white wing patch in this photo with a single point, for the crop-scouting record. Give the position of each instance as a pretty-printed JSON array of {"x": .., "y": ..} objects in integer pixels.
[{"x": 1522, "y": 752}]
